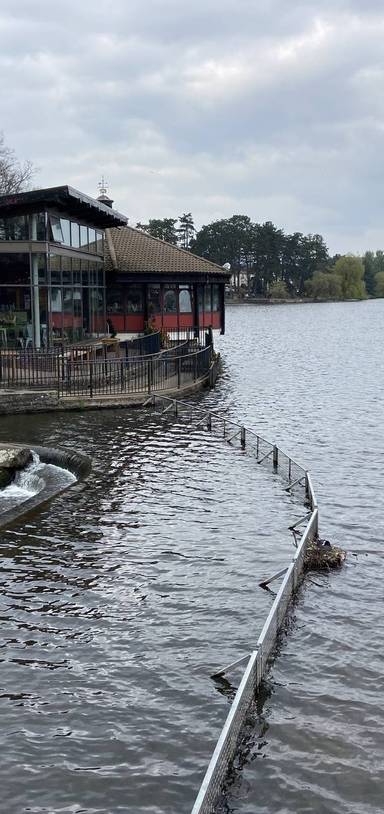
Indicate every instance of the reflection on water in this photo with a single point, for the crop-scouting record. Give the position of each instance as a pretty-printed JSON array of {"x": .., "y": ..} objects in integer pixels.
[
  {"x": 313, "y": 377},
  {"x": 118, "y": 600}
]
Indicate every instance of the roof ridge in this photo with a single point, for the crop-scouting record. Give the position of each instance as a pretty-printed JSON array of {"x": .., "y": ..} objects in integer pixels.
[{"x": 166, "y": 243}]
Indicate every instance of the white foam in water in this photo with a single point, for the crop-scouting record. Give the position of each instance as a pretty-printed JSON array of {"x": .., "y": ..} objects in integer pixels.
[{"x": 28, "y": 482}]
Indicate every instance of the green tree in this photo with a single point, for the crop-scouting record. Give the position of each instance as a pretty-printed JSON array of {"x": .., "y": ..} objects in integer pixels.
[
  {"x": 186, "y": 230},
  {"x": 351, "y": 271},
  {"x": 278, "y": 290},
  {"x": 379, "y": 284},
  {"x": 14, "y": 176},
  {"x": 370, "y": 271},
  {"x": 324, "y": 285},
  {"x": 162, "y": 228}
]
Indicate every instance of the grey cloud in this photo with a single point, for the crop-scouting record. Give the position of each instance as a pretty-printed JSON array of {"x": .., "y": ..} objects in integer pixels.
[{"x": 269, "y": 108}]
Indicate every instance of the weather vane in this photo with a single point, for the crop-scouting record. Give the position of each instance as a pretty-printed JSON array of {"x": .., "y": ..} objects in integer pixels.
[{"x": 103, "y": 187}]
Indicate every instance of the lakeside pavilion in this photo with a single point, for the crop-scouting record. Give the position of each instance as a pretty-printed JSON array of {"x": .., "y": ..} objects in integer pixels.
[
  {"x": 71, "y": 269},
  {"x": 153, "y": 282}
]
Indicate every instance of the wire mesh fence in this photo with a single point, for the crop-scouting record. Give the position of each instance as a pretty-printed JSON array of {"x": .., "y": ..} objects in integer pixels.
[{"x": 298, "y": 479}]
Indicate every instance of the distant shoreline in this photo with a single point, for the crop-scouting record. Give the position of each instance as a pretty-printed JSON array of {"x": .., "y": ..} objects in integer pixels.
[{"x": 303, "y": 301}]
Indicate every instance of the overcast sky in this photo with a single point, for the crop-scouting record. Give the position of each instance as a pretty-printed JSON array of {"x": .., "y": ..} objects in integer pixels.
[{"x": 271, "y": 108}]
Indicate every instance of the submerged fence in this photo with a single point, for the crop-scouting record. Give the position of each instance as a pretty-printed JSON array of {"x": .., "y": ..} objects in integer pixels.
[{"x": 258, "y": 660}]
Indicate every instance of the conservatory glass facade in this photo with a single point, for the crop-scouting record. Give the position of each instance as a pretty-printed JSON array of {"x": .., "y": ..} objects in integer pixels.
[{"x": 52, "y": 281}]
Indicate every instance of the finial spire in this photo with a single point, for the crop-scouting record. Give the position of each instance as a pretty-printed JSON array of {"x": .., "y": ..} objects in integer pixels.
[{"x": 103, "y": 186}]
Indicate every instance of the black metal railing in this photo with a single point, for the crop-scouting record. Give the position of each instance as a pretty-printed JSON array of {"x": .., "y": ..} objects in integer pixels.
[{"x": 111, "y": 377}]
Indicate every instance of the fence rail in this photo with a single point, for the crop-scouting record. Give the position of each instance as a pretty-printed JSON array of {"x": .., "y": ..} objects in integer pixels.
[
  {"x": 297, "y": 478},
  {"x": 81, "y": 371},
  {"x": 125, "y": 376}
]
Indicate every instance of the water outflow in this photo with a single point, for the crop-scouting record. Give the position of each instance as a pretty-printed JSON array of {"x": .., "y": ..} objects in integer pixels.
[{"x": 33, "y": 479}]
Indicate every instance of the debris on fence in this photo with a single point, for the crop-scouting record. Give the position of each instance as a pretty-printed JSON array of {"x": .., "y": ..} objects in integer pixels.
[{"x": 322, "y": 556}]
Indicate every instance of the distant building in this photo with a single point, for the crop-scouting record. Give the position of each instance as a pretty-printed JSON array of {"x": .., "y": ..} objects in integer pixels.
[{"x": 69, "y": 266}]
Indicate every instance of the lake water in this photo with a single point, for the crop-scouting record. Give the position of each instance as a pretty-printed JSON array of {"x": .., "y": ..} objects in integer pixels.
[{"x": 118, "y": 601}]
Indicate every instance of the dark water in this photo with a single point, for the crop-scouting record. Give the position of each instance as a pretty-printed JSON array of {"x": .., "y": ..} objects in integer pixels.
[
  {"x": 314, "y": 378},
  {"x": 117, "y": 601}
]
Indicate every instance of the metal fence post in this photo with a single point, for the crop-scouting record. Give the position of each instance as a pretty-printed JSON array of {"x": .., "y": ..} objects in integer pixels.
[
  {"x": 242, "y": 438},
  {"x": 275, "y": 458},
  {"x": 149, "y": 371},
  {"x": 179, "y": 372},
  {"x": 91, "y": 379}
]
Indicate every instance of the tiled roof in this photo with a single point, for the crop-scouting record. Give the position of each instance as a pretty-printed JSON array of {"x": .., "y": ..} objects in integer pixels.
[{"x": 132, "y": 251}]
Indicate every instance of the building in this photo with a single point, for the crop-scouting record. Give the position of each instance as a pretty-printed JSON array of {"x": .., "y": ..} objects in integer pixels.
[
  {"x": 150, "y": 281},
  {"x": 71, "y": 269},
  {"x": 52, "y": 276}
]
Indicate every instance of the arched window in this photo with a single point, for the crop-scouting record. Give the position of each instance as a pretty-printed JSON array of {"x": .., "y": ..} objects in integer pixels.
[{"x": 185, "y": 300}]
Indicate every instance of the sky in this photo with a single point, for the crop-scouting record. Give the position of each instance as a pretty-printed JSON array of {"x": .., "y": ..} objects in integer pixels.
[{"x": 268, "y": 108}]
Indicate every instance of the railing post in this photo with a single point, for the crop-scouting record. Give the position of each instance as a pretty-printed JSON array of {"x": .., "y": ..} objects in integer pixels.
[
  {"x": 91, "y": 379},
  {"x": 178, "y": 372},
  {"x": 150, "y": 374},
  {"x": 275, "y": 458},
  {"x": 209, "y": 422},
  {"x": 122, "y": 375},
  {"x": 242, "y": 438},
  {"x": 194, "y": 367}
]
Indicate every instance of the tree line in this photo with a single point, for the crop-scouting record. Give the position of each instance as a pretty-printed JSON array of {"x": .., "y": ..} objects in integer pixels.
[{"x": 265, "y": 262}]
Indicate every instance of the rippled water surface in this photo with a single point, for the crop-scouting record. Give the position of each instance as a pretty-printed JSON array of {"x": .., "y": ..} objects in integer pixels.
[{"x": 118, "y": 599}]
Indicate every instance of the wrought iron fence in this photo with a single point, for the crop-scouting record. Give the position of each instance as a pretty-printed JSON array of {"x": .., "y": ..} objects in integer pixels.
[
  {"x": 105, "y": 368},
  {"x": 258, "y": 661},
  {"x": 166, "y": 371}
]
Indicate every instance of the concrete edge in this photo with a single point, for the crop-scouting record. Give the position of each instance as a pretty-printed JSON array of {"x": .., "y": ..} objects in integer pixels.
[
  {"x": 76, "y": 462},
  {"x": 45, "y": 402}
]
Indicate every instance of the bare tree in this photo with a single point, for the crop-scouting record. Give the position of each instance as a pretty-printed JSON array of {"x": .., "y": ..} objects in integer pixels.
[{"x": 14, "y": 176}]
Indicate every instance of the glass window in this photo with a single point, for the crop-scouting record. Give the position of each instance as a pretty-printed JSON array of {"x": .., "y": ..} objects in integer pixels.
[
  {"x": 93, "y": 272},
  {"x": 99, "y": 243},
  {"x": 55, "y": 268},
  {"x": 75, "y": 235},
  {"x": 200, "y": 298},
  {"x": 42, "y": 267},
  {"x": 170, "y": 300},
  {"x": 14, "y": 269},
  {"x": 92, "y": 241},
  {"x": 76, "y": 270},
  {"x": 15, "y": 316},
  {"x": 66, "y": 230},
  {"x": 215, "y": 298},
  {"x": 55, "y": 229},
  {"x": 85, "y": 272},
  {"x": 66, "y": 267},
  {"x": 67, "y": 300},
  {"x": 207, "y": 298},
  {"x": 15, "y": 228},
  {"x": 154, "y": 305},
  {"x": 37, "y": 226},
  {"x": 56, "y": 300},
  {"x": 84, "y": 237},
  {"x": 115, "y": 300},
  {"x": 135, "y": 304},
  {"x": 77, "y": 303},
  {"x": 185, "y": 300}
]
